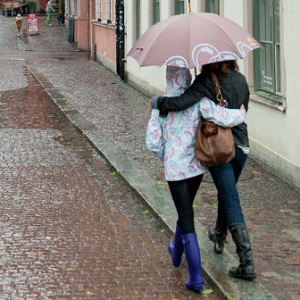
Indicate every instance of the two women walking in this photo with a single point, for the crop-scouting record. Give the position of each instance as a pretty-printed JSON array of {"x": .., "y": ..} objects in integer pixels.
[{"x": 171, "y": 134}]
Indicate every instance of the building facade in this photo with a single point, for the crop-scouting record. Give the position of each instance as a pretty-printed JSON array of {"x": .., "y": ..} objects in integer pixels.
[{"x": 271, "y": 72}]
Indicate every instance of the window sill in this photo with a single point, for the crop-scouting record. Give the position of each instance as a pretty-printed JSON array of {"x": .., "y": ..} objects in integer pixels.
[
  {"x": 255, "y": 97},
  {"x": 104, "y": 23}
]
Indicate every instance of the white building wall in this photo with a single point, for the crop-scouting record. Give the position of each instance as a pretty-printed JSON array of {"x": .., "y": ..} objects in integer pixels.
[
  {"x": 273, "y": 129},
  {"x": 151, "y": 80},
  {"x": 275, "y": 134}
]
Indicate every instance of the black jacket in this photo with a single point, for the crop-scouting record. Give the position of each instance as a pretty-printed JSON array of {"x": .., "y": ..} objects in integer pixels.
[{"x": 235, "y": 91}]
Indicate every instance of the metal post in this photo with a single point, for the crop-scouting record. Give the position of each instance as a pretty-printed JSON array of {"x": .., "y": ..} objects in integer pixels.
[{"x": 120, "y": 37}]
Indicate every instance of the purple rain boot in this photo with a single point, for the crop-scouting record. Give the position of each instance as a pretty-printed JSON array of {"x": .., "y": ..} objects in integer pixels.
[
  {"x": 192, "y": 252},
  {"x": 176, "y": 248}
]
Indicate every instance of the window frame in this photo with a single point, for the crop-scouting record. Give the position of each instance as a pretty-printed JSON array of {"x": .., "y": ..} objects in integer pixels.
[
  {"x": 155, "y": 11},
  {"x": 108, "y": 11},
  {"x": 179, "y": 7},
  {"x": 212, "y": 6},
  {"x": 272, "y": 39},
  {"x": 98, "y": 10},
  {"x": 137, "y": 19}
]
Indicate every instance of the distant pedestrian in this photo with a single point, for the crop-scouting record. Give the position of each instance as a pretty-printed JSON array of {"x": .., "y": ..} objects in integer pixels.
[
  {"x": 173, "y": 138},
  {"x": 49, "y": 11},
  {"x": 61, "y": 19},
  {"x": 19, "y": 22}
]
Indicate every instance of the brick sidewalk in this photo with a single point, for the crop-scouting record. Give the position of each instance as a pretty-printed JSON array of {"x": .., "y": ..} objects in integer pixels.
[
  {"x": 271, "y": 207},
  {"x": 69, "y": 227}
]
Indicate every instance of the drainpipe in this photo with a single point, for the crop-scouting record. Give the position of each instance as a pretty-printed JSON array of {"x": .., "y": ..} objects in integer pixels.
[{"x": 88, "y": 29}]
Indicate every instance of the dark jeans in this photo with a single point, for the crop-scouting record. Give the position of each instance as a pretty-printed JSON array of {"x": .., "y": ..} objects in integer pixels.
[
  {"x": 183, "y": 194},
  {"x": 225, "y": 178}
]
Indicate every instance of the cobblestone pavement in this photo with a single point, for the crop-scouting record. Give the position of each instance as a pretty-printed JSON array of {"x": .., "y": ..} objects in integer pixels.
[
  {"x": 69, "y": 227},
  {"x": 271, "y": 207}
]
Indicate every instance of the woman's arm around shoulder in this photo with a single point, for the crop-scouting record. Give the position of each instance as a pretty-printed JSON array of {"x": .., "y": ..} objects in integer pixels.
[
  {"x": 191, "y": 96},
  {"x": 221, "y": 115}
]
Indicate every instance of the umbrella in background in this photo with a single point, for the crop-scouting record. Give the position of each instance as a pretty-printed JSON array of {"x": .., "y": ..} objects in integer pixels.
[{"x": 192, "y": 40}]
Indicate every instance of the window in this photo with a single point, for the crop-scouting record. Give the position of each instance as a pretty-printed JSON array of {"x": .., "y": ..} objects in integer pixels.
[
  {"x": 212, "y": 6},
  {"x": 179, "y": 7},
  {"x": 137, "y": 18},
  {"x": 98, "y": 10},
  {"x": 156, "y": 12},
  {"x": 108, "y": 10},
  {"x": 267, "y": 70}
]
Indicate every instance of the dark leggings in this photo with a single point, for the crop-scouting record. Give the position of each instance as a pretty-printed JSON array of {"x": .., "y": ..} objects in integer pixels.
[{"x": 183, "y": 194}]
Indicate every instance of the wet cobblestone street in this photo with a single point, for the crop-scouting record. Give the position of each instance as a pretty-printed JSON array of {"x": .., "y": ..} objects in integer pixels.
[{"x": 70, "y": 228}]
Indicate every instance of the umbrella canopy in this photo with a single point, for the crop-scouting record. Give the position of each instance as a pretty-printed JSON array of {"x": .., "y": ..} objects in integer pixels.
[{"x": 191, "y": 40}]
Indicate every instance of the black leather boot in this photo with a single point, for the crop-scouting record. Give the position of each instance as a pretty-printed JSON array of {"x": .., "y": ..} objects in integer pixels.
[
  {"x": 246, "y": 269},
  {"x": 218, "y": 236}
]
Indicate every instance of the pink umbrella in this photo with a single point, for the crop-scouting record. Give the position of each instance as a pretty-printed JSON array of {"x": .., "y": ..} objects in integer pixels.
[{"x": 191, "y": 40}]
